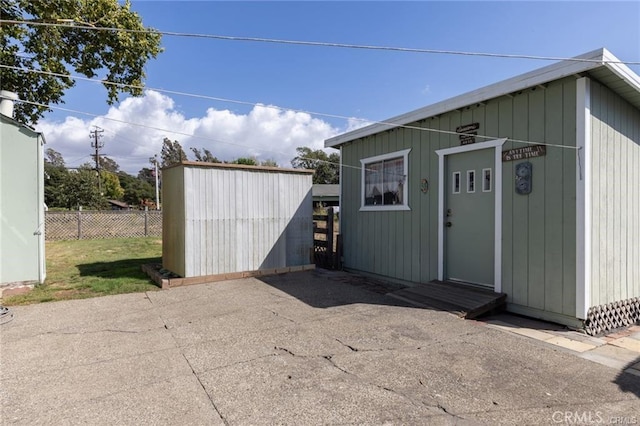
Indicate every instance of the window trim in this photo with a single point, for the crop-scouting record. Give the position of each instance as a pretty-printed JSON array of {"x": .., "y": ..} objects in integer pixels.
[{"x": 405, "y": 189}]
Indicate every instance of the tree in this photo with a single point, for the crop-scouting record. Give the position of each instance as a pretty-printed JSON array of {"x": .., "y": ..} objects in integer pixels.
[
  {"x": 148, "y": 175},
  {"x": 63, "y": 37},
  {"x": 55, "y": 174},
  {"x": 53, "y": 158},
  {"x": 269, "y": 163},
  {"x": 327, "y": 167},
  {"x": 172, "y": 153},
  {"x": 136, "y": 189},
  {"x": 205, "y": 156},
  {"x": 246, "y": 161},
  {"x": 111, "y": 188},
  {"x": 108, "y": 164},
  {"x": 80, "y": 188}
]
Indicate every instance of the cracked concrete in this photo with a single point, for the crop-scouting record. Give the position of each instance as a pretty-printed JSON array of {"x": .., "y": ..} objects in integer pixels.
[{"x": 301, "y": 348}]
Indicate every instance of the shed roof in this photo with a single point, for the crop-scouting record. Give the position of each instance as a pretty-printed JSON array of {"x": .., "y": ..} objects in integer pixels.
[
  {"x": 117, "y": 203},
  {"x": 203, "y": 164},
  {"x": 13, "y": 121},
  {"x": 325, "y": 190},
  {"x": 599, "y": 64}
]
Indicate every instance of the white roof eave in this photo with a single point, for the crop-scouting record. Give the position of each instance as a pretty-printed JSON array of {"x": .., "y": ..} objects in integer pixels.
[
  {"x": 596, "y": 59},
  {"x": 621, "y": 70}
]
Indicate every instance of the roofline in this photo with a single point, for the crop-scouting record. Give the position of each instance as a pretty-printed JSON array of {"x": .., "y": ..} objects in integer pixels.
[
  {"x": 621, "y": 70},
  {"x": 203, "y": 164},
  {"x": 19, "y": 124},
  {"x": 598, "y": 58}
]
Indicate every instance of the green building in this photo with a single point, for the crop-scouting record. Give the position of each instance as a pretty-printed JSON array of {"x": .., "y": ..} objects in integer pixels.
[
  {"x": 22, "y": 259},
  {"x": 528, "y": 187}
]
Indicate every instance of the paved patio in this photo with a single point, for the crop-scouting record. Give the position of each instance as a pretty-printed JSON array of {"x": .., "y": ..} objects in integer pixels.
[{"x": 312, "y": 347}]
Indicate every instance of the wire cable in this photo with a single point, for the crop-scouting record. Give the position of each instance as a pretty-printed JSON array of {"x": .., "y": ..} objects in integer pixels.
[
  {"x": 178, "y": 132},
  {"x": 339, "y": 164},
  {"x": 385, "y": 123},
  {"x": 85, "y": 26}
]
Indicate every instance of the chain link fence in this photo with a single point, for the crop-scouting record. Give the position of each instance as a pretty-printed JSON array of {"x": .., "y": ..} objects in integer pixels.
[{"x": 80, "y": 225}]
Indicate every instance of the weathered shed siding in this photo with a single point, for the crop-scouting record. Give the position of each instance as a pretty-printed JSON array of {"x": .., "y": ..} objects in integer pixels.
[
  {"x": 538, "y": 264},
  {"x": 173, "y": 230},
  {"x": 240, "y": 219},
  {"x": 615, "y": 203}
]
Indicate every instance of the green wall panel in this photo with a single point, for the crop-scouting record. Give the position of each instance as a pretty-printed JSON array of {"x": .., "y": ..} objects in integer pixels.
[
  {"x": 538, "y": 264},
  {"x": 615, "y": 206}
]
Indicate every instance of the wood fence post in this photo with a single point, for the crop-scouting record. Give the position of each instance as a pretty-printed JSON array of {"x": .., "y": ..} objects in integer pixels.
[
  {"x": 330, "y": 255},
  {"x": 339, "y": 252},
  {"x": 146, "y": 221},
  {"x": 79, "y": 222}
]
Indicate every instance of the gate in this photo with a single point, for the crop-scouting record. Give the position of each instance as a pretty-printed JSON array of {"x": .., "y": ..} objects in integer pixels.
[{"x": 326, "y": 241}]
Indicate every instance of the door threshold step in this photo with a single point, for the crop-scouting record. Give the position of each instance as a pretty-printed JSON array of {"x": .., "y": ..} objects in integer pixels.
[{"x": 462, "y": 300}]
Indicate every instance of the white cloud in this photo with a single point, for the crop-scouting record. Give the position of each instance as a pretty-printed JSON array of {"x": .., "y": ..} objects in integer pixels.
[
  {"x": 264, "y": 132},
  {"x": 357, "y": 123}
]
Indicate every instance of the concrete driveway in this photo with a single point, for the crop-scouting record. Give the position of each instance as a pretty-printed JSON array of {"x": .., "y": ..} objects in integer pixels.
[{"x": 313, "y": 347}]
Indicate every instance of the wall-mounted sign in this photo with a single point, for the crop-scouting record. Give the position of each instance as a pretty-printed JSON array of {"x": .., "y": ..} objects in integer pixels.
[
  {"x": 524, "y": 153},
  {"x": 468, "y": 133}
]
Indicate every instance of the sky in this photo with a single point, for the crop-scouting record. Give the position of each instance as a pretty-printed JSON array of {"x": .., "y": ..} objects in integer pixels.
[{"x": 270, "y": 98}]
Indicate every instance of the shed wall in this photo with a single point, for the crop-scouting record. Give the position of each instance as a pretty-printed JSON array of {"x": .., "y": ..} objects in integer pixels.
[
  {"x": 615, "y": 165},
  {"x": 173, "y": 219},
  {"x": 237, "y": 220},
  {"x": 538, "y": 265},
  {"x": 21, "y": 205}
]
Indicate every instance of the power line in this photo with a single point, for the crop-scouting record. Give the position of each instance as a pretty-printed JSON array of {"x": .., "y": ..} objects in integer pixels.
[
  {"x": 174, "y": 92},
  {"x": 385, "y": 123},
  {"x": 281, "y": 152},
  {"x": 175, "y": 132},
  {"x": 66, "y": 23}
]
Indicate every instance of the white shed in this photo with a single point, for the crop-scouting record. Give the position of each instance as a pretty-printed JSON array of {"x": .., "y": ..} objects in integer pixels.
[{"x": 228, "y": 218}]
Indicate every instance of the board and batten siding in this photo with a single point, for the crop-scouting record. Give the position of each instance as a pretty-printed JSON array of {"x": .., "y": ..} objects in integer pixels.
[
  {"x": 22, "y": 248},
  {"x": 615, "y": 200},
  {"x": 173, "y": 214},
  {"x": 538, "y": 262},
  {"x": 242, "y": 219}
]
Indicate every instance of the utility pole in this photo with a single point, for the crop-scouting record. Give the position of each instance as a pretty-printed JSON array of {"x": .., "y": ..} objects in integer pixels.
[
  {"x": 157, "y": 192},
  {"x": 154, "y": 160},
  {"x": 97, "y": 144}
]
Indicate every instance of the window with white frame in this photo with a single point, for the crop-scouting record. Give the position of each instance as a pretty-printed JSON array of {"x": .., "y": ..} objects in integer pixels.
[
  {"x": 486, "y": 180},
  {"x": 456, "y": 183},
  {"x": 471, "y": 181},
  {"x": 384, "y": 181}
]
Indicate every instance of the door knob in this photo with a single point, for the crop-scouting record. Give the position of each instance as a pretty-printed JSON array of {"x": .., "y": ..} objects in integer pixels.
[{"x": 448, "y": 224}]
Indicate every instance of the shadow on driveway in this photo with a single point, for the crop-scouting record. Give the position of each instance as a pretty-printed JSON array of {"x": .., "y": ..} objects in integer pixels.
[
  {"x": 627, "y": 381},
  {"x": 338, "y": 288}
]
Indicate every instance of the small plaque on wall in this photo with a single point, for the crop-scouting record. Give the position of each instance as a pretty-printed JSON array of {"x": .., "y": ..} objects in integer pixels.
[
  {"x": 524, "y": 153},
  {"x": 469, "y": 132}
]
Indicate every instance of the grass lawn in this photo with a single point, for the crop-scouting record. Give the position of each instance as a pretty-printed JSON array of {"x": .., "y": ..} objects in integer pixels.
[{"x": 79, "y": 269}]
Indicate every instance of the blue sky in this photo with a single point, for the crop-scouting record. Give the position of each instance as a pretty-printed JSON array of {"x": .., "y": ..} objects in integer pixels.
[{"x": 367, "y": 84}]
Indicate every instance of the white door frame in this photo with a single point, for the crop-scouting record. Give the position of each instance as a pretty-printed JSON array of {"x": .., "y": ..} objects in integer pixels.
[{"x": 496, "y": 144}]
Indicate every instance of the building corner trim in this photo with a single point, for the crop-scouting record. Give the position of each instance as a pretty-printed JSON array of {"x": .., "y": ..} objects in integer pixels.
[{"x": 583, "y": 197}]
